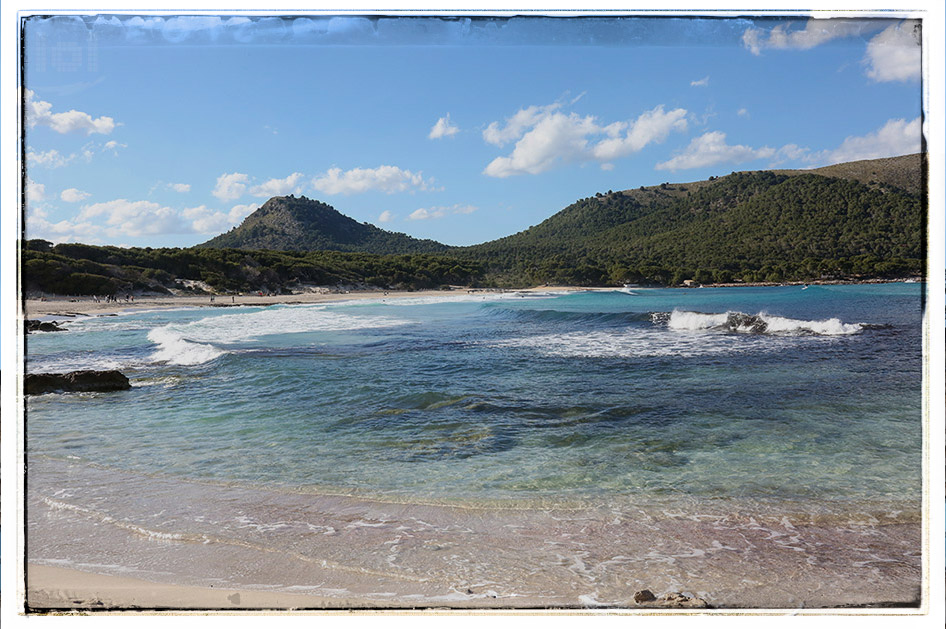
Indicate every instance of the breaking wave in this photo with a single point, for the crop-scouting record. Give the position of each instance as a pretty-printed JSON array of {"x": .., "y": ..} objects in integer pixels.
[
  {"x": 194, "y": 343},
  {"x": 754, "y": 324}
]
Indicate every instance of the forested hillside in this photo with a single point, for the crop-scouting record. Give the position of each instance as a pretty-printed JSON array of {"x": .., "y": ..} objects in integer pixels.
[{"x": 868, "y": 221}]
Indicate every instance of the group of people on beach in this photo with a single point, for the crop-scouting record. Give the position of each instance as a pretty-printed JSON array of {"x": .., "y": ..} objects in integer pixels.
[{"x": 113, "y": 298}]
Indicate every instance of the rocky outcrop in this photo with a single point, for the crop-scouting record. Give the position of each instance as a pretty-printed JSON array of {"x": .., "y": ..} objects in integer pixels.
[
  {"x": 646, "y": 598},
  {"x": 42, "y": 326},
  {"x": 75, "y": 381}
]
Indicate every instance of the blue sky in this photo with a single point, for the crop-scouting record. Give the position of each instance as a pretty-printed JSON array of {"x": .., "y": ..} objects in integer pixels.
[{"x": 165, "y": 131}]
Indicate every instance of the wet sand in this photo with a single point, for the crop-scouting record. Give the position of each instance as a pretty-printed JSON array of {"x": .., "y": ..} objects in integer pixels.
[
  {"x": 86, "y": 306},
  {"x": 280, "y": 549}
]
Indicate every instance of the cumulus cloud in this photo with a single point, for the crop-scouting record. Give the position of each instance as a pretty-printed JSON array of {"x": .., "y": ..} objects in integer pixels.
[
  {"x": 743, "y": 112},
  {"x": 230, "y": 186},
  {"x": 136, "y": 218},
  {"x": 815, "y": 33},
  {"x": 386, "y": 217},
  {"x": 701, "y": 83},
  {"x": 896, "y": 137},
  {"x": 440, "y": 211},
  {"x": 894, "y": 54},
  {"x": 423, "y": 214},
  {"x": 443, "y": 128},
  {"x": 711, "y": 149},
  {"x": 278, "y": 187},
  {"x": 546, "y": 137},
  {"x": 39, "y": 112},
  {"x": 73, "y": 195},
  {"x": 123, "y": 218},
  {"x": 35, "y": 191},
  {"x": 180, "y": 187},
  {"x": 48, "y": 159},
  {"x": 388, "y": 179}
]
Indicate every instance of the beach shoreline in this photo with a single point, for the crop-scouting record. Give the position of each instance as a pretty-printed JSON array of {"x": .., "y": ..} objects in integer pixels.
[
  {"x": 79, "y": 306},
  {"x": 86, "y": 305}
]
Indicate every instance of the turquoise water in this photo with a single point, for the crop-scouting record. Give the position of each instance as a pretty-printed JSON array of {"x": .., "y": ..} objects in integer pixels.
[{"x": 658, "y": 394}]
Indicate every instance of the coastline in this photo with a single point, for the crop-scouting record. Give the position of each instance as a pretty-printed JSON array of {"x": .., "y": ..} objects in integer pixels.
[{"x": 85, "y": 305}]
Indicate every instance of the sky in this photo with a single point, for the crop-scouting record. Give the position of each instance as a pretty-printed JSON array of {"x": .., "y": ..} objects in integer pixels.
[{"x": 164, "y": 130}]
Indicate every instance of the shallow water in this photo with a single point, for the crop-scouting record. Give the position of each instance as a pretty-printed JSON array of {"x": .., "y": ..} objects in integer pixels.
[{"x": 741, "y": 403}]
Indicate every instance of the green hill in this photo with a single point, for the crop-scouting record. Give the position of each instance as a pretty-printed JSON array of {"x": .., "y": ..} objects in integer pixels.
[
  {"x": 849, "y": 221},
  {"x": 301, "y": 224},
  {"x": 867, "y": 219}
]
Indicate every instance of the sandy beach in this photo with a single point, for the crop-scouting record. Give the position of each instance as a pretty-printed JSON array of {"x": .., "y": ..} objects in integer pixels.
[{"x": 64, "y": 307}]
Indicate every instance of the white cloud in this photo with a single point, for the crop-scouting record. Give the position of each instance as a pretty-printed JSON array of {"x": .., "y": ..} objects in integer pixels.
[
  {"x": 39, "y": 112},
  {"x": 124, "y": 218},
  {"x": 48, "y": 159},
  {"x": 386, "y": 217},
  {"x": 278, "y": 187},
  {"x": 136, "y": 218},
  {"x": 63, "y": 231},
  {"x": 701, "y": 83},
  {"x": 896, "y": 137},
  {"x": 710, "y": 149},
  {"x": 443, "y": 128},
  {"x": 651, "y": 126},
  {"x": 547, "y": 137},
  {"x": 815, "y": 33},
  {"x": 73, "y": 195},
  {"x": 35, "y": 191},
  {"x": 517, "y": 124},
  {"x": 440, "y": 211},
  {"x": 230, "y": 186},
  {"x": 389, "y": 179},
  {"x": 894, "y": 54},
  {"x": 743, "y": 113},
  {"x": 113, "y": 146},
  {"x": 423, "y": 214},
  {"x": 180, "y": 187}
]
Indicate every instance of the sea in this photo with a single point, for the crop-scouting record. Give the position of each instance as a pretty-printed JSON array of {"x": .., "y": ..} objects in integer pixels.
[{"x": 752, "y": 446}]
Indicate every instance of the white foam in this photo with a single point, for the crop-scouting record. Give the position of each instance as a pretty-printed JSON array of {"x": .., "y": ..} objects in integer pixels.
[
  {"x": 827, "y": 327},
  {"x": 762, "y": 322},
  {"x": 175, "y": 350},
  {"x": 235, "y": 328},
  {"x": 194, "y": 343},
  {"x": 682, "y": 320}
]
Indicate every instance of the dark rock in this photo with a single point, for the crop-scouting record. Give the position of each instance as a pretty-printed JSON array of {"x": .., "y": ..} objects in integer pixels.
[
  {"x": 738, "y": 320},
  {"x": 42, "y": 326},
  {"x": 644, "y": 596},
  {"x": 75, "y": 381},
  {"x": 675, "y": 599}
]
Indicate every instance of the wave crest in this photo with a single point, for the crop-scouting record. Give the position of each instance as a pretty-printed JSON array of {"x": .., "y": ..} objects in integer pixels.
[
  {"x": 175, "y": 350},
  {"x": 761, "y": 323}
]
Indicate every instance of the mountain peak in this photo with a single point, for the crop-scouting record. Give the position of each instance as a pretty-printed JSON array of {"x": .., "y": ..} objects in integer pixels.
[{"x": 291, "y": 223}]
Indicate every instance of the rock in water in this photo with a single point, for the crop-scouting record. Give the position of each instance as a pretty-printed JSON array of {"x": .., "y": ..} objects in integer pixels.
[
  {"x": 42, "y": 326},
  {"x": 75, "y": 381},
  {"x": 644, "y": 596}
]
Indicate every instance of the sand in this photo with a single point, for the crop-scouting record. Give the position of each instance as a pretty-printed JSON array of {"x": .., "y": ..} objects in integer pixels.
[
  {"x": 64, "y": 307},
  {"x": 54, "y": 589}
]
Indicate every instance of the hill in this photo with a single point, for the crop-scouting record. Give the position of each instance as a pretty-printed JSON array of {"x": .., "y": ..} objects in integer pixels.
[
  {"x": 301, "y": 224},
  {"x": 845, "y": 221},
  {"x": 905, "y": 172}
]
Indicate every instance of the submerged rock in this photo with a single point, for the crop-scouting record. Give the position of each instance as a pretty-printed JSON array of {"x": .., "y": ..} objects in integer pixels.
[
  {"x": 75, "y": 381},
  {"x": 42, "y": 326}
]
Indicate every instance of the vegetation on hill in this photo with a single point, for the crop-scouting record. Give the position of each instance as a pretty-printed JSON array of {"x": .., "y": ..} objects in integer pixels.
[
  {"x": 77, "y": 269},
  {"x": 300, "y": 224},
  {"x": 753, "y": 226},
  {"x": 844, "y": 222}
]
